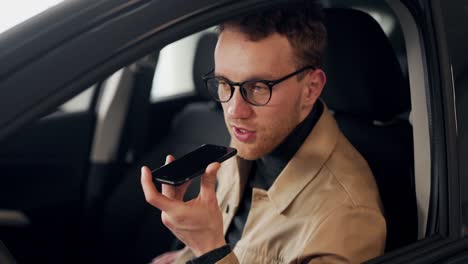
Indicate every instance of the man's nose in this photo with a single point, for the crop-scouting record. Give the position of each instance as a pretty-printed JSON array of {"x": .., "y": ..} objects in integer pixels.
[{"x": 237, "y": 107}]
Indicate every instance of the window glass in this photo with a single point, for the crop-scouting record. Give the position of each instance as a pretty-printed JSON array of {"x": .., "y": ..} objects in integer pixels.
[
  {"x": 174, "y": 70},
  {"x": 173, "y": 73},
  {"x": 79, "y": 103}
]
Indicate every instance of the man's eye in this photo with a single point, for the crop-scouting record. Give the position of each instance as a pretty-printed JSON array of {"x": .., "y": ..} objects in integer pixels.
[
  {"x": 223, "y": 85},
  {"x": 259, "y": 88}
]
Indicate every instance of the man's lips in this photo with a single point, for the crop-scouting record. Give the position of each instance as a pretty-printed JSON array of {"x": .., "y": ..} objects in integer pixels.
[{"x": 243, "y": 134}]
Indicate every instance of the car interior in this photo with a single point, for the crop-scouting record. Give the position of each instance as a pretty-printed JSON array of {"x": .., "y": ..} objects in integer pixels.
[{"x": 76, "y": 185}]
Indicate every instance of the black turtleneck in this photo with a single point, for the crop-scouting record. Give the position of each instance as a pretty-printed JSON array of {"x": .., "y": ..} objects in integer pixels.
[{"x": 262, "y": 175}]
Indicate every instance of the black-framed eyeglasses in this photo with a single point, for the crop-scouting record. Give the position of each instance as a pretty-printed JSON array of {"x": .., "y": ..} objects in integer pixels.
[{"x": 255, "y": 92}]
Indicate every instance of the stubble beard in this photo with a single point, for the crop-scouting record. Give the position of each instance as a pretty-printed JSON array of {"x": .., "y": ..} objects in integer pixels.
[{"x": 268, "y": 138}]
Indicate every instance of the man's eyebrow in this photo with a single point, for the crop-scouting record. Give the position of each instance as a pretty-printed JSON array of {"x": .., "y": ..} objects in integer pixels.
[
  {"x": 214, "y": 73},
  {"x": 249, "y": 77}
]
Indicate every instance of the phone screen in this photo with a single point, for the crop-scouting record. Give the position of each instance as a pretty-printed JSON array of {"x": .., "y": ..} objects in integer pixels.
[{"x": 192, "y": 164}]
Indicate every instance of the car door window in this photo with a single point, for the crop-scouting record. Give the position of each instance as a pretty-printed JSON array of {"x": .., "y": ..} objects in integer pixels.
[
  {"x": 174, "y": 71},
  {"x": 81, "y": 102}
]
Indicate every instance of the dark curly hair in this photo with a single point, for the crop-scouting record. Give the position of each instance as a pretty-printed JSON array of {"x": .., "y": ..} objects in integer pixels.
[{"x": 300, "y": 22}]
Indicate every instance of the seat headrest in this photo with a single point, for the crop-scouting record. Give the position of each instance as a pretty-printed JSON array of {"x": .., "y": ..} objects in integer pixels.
[
  {"x": 204, "y": 62},
  {"x": 364, "y": 75}
]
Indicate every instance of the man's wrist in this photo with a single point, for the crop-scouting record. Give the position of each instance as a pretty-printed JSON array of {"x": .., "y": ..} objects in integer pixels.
[
  {"x": 212, "y": 256},
  {"x": 201, "y": 250}
]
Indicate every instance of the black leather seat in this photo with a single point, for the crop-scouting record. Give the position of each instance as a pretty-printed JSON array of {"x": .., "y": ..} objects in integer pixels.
[{"x": 371, "y": 102}]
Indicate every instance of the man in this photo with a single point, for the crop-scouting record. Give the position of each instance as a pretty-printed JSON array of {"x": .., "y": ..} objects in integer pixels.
[{"x": 297, "y": 192}]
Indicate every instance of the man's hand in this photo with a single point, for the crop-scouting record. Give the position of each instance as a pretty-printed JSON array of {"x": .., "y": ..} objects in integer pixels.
[{"x": 198, "y": 223}]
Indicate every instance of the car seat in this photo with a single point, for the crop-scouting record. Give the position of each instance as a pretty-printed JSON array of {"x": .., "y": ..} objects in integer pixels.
[{"x": 370, "y": 99}]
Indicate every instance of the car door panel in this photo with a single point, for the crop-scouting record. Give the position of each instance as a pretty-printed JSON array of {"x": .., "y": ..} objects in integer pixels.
[{"x": 43, "y": 169}]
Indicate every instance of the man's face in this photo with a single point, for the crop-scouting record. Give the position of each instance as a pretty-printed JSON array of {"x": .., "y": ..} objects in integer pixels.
[{"x": 257, "y": 130}]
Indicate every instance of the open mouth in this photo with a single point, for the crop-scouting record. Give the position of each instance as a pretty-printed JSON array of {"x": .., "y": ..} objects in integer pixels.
[{"x": 242, "y": 134}]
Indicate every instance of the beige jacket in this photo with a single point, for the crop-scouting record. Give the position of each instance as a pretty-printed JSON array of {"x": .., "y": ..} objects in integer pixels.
[{"x": 324, "y": 207}]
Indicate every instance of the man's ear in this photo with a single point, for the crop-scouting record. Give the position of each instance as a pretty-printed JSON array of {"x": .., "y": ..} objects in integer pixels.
[{"x": 314, "y": 81}]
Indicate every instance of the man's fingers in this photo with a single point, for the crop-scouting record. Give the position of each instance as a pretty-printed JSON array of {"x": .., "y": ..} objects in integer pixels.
[
  {"x": 169, "y": 159},
  {"x": 180, "y": 190},
  {"x": 169, "y": 190},
  {"x": 208, "y": 180},
  {"x": 152, "y": 194},
  {"x": 175, "y": 192}
]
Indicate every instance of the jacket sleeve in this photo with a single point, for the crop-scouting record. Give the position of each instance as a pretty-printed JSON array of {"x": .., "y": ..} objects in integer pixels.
[
  {"x": 188, "y": 255},
  {"x": 229, "y": 259},
  {"x": 213, "y": 256},
  {"x": 347, "y": 235}
]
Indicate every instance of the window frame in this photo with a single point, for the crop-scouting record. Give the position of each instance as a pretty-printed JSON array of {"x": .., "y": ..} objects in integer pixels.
[{"x": 197, "y": 15}]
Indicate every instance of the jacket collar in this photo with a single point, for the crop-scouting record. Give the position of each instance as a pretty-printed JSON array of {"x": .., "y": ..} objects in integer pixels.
[{"x": 301, "y": 169}]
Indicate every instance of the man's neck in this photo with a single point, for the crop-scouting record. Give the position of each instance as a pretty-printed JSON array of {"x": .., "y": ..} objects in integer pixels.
[{"x": 270, "y": 166}]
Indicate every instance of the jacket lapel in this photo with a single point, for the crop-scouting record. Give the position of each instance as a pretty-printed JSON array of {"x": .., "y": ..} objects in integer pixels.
[
  {"x": 306, "y": 163},
  {"x": 234, "y": 175}
]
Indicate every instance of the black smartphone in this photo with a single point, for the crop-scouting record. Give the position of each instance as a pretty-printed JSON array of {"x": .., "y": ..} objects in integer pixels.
[{"x": 192, "y": 164}]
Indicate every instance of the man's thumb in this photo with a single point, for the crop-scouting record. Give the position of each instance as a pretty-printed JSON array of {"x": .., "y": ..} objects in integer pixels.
[{"x": 208, "y": 180}]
